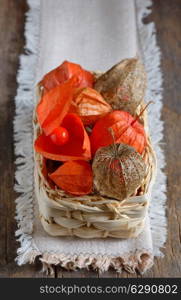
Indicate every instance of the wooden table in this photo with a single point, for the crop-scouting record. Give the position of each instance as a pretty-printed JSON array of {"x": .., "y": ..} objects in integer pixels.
[{"x": 167, "y": 17}]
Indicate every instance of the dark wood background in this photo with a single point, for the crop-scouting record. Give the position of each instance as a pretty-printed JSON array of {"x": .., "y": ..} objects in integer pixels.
[{"x": 167, "y": 16}]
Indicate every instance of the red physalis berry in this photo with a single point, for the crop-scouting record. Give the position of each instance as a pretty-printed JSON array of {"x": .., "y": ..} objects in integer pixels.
[{"x": 60, "y": 136}]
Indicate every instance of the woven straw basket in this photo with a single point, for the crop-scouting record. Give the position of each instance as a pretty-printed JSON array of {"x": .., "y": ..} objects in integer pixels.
[{"x": 93, "y": 216}]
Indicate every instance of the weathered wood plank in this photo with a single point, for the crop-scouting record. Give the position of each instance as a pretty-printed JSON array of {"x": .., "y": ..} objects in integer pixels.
[
  {"x": 27, "y": 271},
  {"x": 76, "y": 274},
  {"x": 168, "y": 24},
  {"x": 11, "y": 43}
]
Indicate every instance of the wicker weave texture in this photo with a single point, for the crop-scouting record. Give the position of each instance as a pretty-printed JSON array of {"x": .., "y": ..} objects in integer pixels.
[{"x": 93, "y": 216}]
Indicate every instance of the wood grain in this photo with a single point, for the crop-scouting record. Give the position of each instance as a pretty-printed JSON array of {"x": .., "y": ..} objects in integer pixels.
[
  {"x": 167, "y": 17},
  {"x": 11, "y": 44}
]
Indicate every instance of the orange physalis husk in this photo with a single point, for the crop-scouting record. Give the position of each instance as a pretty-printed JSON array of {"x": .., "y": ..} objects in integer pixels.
[
  {"x": 64, "y": 72},
  {"x": 123, "y": 127},
  {"x": 47, "y": 167},
  {"x": 90, "y": 105},
  {"x": 54, "y": 105},
  {"x": 77, "y": 147},
  {"x": 74, "y": 177}
]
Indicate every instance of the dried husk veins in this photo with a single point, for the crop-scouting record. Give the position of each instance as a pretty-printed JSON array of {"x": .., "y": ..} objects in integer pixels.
[
  {"x": 118, "y": 171},
  {"x": 124, "y": 85},
  {"x": 90, "y": 105}
]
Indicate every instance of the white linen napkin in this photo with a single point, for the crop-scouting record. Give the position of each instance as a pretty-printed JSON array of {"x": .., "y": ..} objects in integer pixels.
[{"x": 96, "y": 34}]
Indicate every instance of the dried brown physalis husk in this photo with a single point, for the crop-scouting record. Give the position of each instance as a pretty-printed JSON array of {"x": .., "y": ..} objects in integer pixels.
[
  {"x": 124, "y": 85},
  {"x": 118, "y": 171}
]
